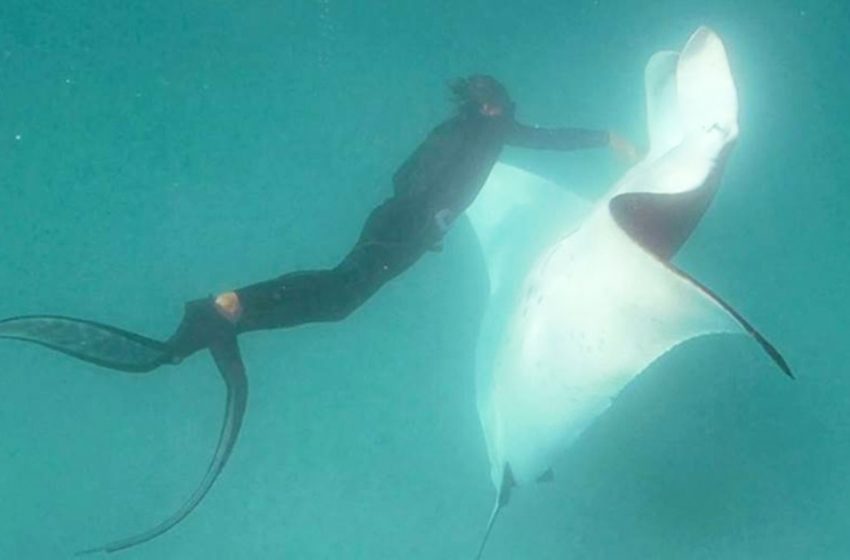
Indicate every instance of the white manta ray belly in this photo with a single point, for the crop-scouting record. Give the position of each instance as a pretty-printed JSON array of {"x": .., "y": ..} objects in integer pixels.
[{"x": 568, "y": 352}]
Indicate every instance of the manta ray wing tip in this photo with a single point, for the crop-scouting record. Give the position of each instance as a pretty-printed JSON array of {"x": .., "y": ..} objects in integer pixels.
[{"x": 774, "y": 354}]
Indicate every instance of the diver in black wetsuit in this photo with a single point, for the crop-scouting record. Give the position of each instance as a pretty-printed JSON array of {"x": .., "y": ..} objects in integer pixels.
[{"x": 432, "y": 188}]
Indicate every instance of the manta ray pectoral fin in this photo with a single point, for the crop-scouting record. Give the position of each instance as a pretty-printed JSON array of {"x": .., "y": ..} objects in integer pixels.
[
  {"x": 766, "y": 345},
  {"x": 89, "y": 341},
  {"x": 502, "y": 499},
  {"x": 226, "y": 354}
]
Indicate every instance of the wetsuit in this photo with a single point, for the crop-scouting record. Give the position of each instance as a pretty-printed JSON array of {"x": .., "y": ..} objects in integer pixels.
[{"x": 431, "y": 189}]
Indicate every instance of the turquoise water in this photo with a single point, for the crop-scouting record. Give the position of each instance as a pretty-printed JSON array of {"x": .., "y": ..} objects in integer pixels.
[{"x": 154, "y": 154}]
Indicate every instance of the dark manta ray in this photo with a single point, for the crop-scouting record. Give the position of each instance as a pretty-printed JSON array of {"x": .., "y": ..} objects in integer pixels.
[
  {"x": 565, "y": 334},
  {"x": 126, "y": 351}
]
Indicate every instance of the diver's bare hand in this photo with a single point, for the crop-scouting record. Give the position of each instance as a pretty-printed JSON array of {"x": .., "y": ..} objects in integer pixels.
[{"x": 623, "y": 148}]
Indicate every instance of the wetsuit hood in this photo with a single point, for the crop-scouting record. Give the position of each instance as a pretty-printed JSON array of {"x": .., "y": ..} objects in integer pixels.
[{"x": 472, "y": 93}]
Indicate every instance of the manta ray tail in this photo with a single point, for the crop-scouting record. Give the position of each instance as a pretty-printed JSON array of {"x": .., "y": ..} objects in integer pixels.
[
  {"x": 227, "y": 358},
  {"x": 89, "y": 341},
  {"x": 502, "y": 499}
]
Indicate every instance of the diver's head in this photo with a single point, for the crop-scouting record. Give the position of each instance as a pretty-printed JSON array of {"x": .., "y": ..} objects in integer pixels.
[{"x": 481, "y": 94}]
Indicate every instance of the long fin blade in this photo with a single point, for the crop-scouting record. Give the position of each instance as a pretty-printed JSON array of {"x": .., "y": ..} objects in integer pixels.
[
  {"x": 89, "y": 341},
  {"x": 229, "y": 362}
]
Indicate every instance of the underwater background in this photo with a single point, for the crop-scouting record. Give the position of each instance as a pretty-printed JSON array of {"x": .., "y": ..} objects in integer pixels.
[{"x": 156, "y": 152}]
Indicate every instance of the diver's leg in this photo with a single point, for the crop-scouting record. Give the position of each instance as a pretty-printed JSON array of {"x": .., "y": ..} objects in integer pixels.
[
  {"x": 395, "y": 235},
  {"x": 323, "y": 295},
  {"x": 204, "y": 322},
  {"x": 391, "y": 241}
]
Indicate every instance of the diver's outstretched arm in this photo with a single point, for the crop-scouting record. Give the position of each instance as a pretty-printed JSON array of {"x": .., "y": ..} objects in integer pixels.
[
  {"x": 563, "y": 139},
  {"x": 568, "y": 139}
]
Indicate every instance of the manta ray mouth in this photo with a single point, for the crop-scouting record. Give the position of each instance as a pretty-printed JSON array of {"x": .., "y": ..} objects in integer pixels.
[{"x": 662, "y": 222}]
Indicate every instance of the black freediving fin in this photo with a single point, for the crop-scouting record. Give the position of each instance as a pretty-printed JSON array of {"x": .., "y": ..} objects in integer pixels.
[
  {"x": 769, "y": 348},
  {"x": 502, "y": 499},
  {"x": 89, "y": 341},
  {"x": 226, "y": 354}
]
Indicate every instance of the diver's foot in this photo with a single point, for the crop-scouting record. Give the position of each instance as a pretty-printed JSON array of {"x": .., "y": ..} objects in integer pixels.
[{"x": 205, "y": 321}]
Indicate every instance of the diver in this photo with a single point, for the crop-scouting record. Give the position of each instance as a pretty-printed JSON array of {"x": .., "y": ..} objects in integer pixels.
[{"x": 431, "y": 190}]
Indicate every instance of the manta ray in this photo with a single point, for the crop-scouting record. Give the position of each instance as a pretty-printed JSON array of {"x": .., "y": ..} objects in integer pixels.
[{"x": 585, "y": 297}]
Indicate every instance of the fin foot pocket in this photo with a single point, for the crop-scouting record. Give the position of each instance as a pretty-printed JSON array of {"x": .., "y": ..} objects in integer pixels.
[{"x": 202, "y": 326}]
